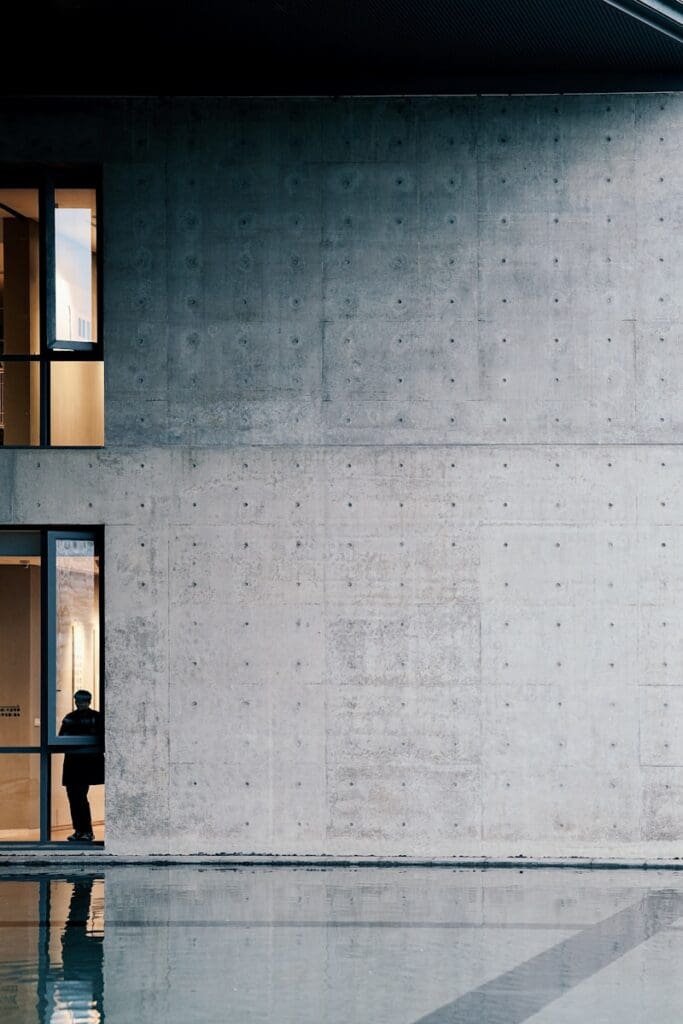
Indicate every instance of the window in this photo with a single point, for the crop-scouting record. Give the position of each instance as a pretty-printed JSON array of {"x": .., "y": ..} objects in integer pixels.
[
  {"x": 50, "y": 638},
  {"x": 51, "y": 369}
]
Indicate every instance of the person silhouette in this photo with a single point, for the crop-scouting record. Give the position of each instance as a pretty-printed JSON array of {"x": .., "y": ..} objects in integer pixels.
[{"x": 82, "y": 768}]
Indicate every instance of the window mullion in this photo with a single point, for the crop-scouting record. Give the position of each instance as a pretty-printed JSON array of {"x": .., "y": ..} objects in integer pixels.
[
  {"x": 47, "y": 304},
  {"x": 45, "y": 383},
  {"x": 47, "y": 266}
]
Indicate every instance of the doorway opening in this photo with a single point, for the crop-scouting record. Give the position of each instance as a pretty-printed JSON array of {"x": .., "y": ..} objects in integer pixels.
[{"x": 51, "y": 585}]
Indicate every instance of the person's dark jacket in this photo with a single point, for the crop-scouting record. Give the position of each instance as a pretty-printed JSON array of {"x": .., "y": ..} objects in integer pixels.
[{"x": 84, "y": 767}]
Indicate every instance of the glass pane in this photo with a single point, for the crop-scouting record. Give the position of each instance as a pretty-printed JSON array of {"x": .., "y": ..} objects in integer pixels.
[
  {"x": 19, "y": 797},
  {"x": 78, "y": 626},
  {"x": 76, "y": 264},
  {"x": 19, "y": 293},
  {"x": 20, "y": 650},
  {"x": 82, "y": 767},
  {"x": 19, "y": 403},
  {"x": 77, "y": 403}
]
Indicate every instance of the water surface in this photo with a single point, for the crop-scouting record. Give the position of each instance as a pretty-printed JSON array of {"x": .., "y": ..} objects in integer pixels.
[{"x": 184, "y": 944}]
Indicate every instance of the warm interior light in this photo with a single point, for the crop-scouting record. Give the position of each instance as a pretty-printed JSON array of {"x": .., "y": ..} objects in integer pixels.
[{"x": 77, "y": 656}]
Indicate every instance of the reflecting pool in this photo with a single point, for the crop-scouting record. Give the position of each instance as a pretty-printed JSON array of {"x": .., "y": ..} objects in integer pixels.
[{"x": 205, "y": 944}]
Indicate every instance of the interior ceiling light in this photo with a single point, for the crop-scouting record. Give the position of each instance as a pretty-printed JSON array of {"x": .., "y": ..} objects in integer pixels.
[{"x": 664, "y": 15}]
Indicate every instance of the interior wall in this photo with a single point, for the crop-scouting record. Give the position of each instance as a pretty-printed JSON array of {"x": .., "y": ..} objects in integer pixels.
[
  {"x": 78, "y": 627},
  {"x": 20, "y": 791},
  {"x": 390, "y": 491},
  {"x": 22, "y": 328},
  {"x": 19, "y": 695},
  {"x": 77, "y": 403},
  {"x": 21, "y": 403},
  {"x": 20, "y": 661},
  {"x": 20, "y": 293}
]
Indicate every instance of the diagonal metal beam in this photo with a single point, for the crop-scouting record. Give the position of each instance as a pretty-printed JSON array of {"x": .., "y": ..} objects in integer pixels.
[{"x": 663, "y": 15}]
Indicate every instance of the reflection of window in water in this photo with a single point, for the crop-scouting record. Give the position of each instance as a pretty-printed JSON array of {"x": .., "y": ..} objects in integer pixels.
[
  {"x": 51, "y": 950},
  {"x": 19, "y": 950},
  {"x": 73, "y": 990}
]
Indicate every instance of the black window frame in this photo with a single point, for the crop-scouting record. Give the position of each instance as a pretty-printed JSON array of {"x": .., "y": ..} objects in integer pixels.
[
  {"x": 46, "y": 179},
  {"x": 49, "y": 742}
]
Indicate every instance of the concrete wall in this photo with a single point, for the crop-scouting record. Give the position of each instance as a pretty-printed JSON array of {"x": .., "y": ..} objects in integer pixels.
[{"x": 392, "y": 482}]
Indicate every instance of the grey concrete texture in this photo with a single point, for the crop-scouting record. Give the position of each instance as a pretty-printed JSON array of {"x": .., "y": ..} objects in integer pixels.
[
  {"x": 391, "y": 484},
  {"x": 396, "y": 651}
]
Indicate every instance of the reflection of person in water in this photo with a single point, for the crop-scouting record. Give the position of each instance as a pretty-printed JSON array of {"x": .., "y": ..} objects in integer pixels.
[
  {"x": 82, "y": 956},
  {"x": 82, "y": 769}
]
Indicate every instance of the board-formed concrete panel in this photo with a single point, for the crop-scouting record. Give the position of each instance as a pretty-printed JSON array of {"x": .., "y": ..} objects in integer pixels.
[{"x": 392, "y": 480}]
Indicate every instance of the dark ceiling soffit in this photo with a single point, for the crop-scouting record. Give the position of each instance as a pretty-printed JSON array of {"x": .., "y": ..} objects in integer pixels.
[{"x": 664, "y": 15}]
